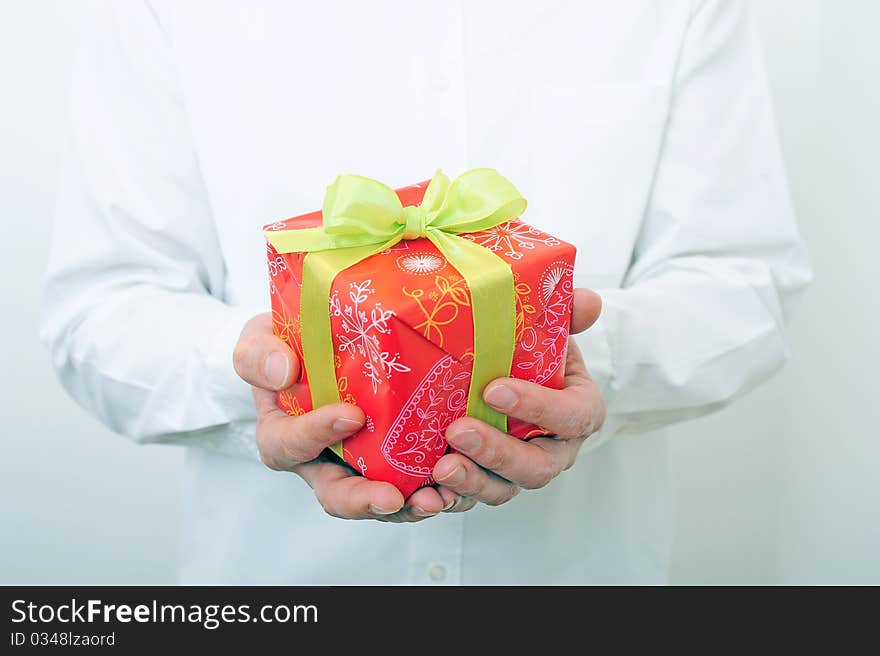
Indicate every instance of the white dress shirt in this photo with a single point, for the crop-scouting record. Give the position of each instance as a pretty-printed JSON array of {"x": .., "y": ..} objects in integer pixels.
[{"x": 641, "y": 132}]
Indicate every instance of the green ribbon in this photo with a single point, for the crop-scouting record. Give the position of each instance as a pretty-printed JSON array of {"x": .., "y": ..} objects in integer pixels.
[{"x": 363, "y": 217}]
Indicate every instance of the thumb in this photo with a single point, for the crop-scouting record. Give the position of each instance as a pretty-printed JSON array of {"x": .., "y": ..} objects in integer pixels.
[
  {"x": 262, "y": 359},
  {"x": 586, "y": 308}
]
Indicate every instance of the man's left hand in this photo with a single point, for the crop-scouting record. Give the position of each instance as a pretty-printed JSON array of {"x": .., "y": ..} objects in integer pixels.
[{"x": 491, "y": 466}]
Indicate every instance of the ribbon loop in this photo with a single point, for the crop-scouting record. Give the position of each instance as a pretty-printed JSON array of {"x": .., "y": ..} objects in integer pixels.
[{"x": 359, "y": 211}]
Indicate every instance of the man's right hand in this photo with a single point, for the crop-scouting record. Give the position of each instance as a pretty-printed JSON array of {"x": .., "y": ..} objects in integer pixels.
[{"x": 296, "y": 444}]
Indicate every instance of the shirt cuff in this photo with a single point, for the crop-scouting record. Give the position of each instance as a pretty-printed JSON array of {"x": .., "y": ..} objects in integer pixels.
[
  {"x": 228, "y": 392},
  {"x": 595, "y": 345}
]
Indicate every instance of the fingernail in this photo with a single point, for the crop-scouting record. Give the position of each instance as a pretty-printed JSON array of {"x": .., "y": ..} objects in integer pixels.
[
  {"x": 376, "y": 510},
  {"x": 345, "y": 426},
  {"x": 276, "y": 368},
  {"x": 450, "y": 504},
  {"x": 454, "y": 477},
  {"x": 467, "y": 440},
  {"x": 500, "y": 397},
  {"x": 421, "y": 512}
]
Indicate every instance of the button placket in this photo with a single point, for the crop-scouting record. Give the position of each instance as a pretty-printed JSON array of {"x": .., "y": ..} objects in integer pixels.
[
  {"x": 438, "y": 81},
  {"x": 439, "y": 123},
  {"x": 439, "y": 90},
  {"x": 437, "y": 572},
  {"x": 436, "y": 550}
]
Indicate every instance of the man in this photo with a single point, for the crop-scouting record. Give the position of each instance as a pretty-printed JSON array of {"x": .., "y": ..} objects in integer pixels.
[{"x": 642, "y": 133}]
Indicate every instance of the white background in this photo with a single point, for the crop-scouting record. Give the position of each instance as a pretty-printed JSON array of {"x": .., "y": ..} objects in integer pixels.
[{"x": 782, "y": 487}]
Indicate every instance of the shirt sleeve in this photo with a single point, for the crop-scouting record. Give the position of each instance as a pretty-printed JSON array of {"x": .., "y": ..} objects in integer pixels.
[
  {"x": 719, "y": 264},
  {"x": 134, "y": 310}
]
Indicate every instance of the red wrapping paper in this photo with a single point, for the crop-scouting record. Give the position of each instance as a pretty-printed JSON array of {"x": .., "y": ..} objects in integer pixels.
[{"x": 403, "y": 337}]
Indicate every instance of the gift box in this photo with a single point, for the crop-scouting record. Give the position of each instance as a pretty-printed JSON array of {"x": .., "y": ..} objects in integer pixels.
[{"x": 394, "y": 304}]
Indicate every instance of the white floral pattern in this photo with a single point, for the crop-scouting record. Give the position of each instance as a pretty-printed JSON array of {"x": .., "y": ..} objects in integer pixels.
[
  {"x": 278, "y": 225},
  {"x": 547, "y": 350},
  {"x": 360, "y": 334},
  {"x": 557, "y": 304},
  {"x": 512, "y": 238},
  {"x": 545, "y": 361},
  {"x": 276, "y": 266},
  {"x": 552, "y": 276}
]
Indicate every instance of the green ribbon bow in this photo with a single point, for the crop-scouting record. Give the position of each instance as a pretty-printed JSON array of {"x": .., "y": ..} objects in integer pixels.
[{"x": 363, "y": 217}]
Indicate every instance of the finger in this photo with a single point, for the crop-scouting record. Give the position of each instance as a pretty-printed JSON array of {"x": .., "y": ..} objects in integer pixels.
[
  {"x": 450, "y": 497},
  {"x": 346, "y": 495},
  {"x": 422, "y": 504},
  {"x": 461, "y": 504},
  {"x": 285, "y": 442},
  {"x": 568, "y": 449},
  {"x": 425, "y": 502},
  {"x": 576, "y": 410},
  {"x": 585, "y": 310},
  {"x": 464, "y": 477},
  {"x": 262, "y": 359},
  {"x": 528, "y": 464}
]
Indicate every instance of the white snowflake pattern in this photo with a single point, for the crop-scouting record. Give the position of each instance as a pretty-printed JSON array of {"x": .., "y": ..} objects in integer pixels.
[
  {"x": 361, "y": 332},
  {"x": 512, "y": 238},
  {"x": 420, "y": 263},
  {"x": 362, "y": 465}
]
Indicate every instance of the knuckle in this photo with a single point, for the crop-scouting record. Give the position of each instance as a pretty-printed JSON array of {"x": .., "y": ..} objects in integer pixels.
[
  {"x": 463, "y": 504},
  {"x": 494, "y": 458},
  {"x": 265, "y": 450},
  {"x": 292, "y": 449},
  {"x": 270, "y": 462},
  {"x": 576, "y": 425},
  {"x": 473, "y": 483},
  {"x": 597, "y": 416},
  {"x": 573, "y": 451},
  {"x": 537, "y": 413},
  {"x": 328, "y": 507},
  {"x": 541, "y": 475},
  {"x": 332, "y": 512},
  {"x": 308, "y": 451},
  {"x": 584, "y": 424},
  {"x": 240, "y": 356},
  {"x": 507, "y": 493}
]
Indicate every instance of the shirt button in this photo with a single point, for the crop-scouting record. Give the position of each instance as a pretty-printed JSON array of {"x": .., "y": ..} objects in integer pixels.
[
  {"x": 437, "y": 573},
  {"x": 439, "y": 82}
]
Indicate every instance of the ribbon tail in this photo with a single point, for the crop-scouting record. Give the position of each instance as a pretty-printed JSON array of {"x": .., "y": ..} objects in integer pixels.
[
  {"x": 298, "y": 241},
  {"x": 493, "y": 304},
  {"x": 319, "y": 271},
  {"x": 311, "y": 240}
]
